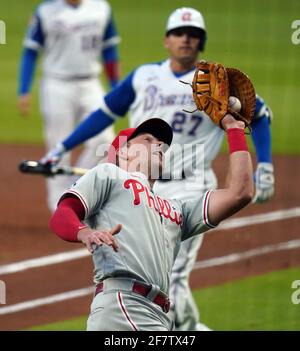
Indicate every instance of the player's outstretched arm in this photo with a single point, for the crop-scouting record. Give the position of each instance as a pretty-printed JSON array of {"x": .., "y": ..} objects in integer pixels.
[
  {"x": 224, "y": 203},
  {"x": 264, "y": 177}
]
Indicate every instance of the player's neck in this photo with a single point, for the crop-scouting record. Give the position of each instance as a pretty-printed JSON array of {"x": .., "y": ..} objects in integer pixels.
[{"x": 181, "y": 67}]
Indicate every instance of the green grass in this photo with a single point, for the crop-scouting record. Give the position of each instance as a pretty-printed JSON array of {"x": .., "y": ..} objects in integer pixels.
[
  {"x": 256, "y": 303},
  {"x": 76, "y": 324},
  {"x": 253, "y": 35}
]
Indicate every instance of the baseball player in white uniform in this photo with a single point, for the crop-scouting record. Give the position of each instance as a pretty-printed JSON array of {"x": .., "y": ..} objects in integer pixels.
[
  {"x": 133, "y": 261},
  {"x": 72, "y": 35},
  {"x": 154, "y": 90}
]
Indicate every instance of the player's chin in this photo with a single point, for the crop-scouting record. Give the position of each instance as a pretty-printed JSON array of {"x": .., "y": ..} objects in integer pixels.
[{"x": 187, "y": 57}]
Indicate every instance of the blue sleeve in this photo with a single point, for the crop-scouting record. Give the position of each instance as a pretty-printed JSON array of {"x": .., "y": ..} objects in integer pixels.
[
  {"x": 35, "y": 36},
  {"x": 110, "y": 31},
  {"x": 261, "y": 132},
  {"x": 110, "y": 55},
  {"x": 258, "y": 105},
  {"x": 91, "y": 126},
  {"x": 27, "y": 68},
  {"x": 121, "y": 97},
  {"x": 110, "y": 50},
  {"x": 262, "y": 109}
]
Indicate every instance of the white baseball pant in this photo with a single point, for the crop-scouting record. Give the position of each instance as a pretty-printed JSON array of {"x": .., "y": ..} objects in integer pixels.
[
  {"x": 184, "y": 310},
  {"x": 64, "y": 103}
]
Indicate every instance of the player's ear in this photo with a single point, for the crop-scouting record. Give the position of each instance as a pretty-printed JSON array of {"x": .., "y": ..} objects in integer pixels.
[{"x": 166, "y": 42}]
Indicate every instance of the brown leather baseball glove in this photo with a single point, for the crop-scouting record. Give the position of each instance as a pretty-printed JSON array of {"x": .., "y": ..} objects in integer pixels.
[{"x": 213, "y": 84}]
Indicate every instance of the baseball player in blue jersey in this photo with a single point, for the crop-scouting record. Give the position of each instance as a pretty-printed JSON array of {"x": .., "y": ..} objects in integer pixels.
[
  {"x": 72, "y": 36},
  {"x": 133, "y": 233},
  {"x": 154, "y": 90}
]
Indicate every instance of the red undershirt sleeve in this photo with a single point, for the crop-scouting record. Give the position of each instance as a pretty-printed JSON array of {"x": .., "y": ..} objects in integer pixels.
[
  {"x": 66, "y": 220},
  {"x": 112, "y": 72}
]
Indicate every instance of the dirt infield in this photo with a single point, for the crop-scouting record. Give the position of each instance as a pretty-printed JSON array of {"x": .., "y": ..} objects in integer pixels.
[{"x": 24, "y": 235}]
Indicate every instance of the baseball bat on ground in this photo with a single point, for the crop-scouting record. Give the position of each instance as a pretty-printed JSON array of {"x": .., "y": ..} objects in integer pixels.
[{"x": 35, "y": 167}]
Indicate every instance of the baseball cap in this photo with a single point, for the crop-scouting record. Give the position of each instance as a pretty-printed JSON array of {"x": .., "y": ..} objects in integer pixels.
[
  {"x": 185, "y": 17},
  {"x": 155, "y": 126}
]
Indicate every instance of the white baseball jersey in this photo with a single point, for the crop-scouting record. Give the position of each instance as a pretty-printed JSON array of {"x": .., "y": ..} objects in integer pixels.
[
  {"x": 72, "y": 37},
  {"x": 152, "y": 226},
  {"x": 154, "y": 90}
]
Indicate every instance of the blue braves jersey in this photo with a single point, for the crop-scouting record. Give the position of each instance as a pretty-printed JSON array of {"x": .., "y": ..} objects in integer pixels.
[{"x": 153, "y": 90}]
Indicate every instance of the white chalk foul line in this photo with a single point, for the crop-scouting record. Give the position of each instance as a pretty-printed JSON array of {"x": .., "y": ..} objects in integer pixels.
[
  {"x": 259, "y": 218},
  {"x": 77, "y": 254},
  {"x": 44, "y": 261},
  {"x": 27, "y": 305},
  {"x": 288, "y": 245},
  {"x": 235, "y": 257}
]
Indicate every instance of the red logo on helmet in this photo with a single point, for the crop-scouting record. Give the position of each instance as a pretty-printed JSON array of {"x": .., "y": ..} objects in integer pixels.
[{"x": 187, "y": 16}]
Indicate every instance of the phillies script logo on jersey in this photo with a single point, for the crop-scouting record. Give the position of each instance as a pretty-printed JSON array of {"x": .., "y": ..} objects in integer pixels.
[{"x": 160, "y": 205}]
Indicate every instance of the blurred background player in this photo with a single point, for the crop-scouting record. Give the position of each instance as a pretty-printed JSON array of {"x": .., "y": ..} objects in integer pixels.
[
  {"x": 155, "y": 90},
  {"x": 73, "y": 37}
]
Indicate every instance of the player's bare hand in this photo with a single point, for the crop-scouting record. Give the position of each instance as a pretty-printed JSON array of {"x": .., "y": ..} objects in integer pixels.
[
  {"x": 99, "y": 237},
  {"x": 230, "y": 122},
  {"x": 24, "y": 104}
]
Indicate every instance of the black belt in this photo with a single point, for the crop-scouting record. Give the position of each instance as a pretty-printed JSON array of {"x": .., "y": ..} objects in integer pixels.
[
  {"x": 72, "y": 78},
  {"x": 79, "y": 78}
]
